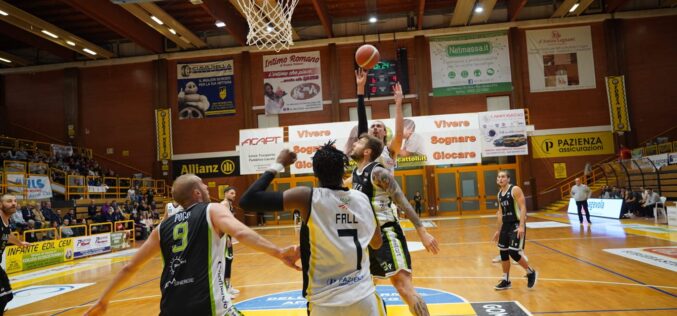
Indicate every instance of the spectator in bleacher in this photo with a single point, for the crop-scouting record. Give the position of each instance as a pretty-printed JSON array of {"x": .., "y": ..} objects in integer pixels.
[
  {"x": 105, "y": 215},
  {"x": 31, "y": 236},
  {"x": 51, "y": 234},
  {"x": 649, "y": 202},
  {"x": 131, "y": 194},
  {"x": 17, "y": 220},
  {"x": 606, "y": 192},
  {"x": 150, "y": 196},
  {"x": 40, "y": 220},
  {"x": 70, "y": 216},
  {"x": 127, "y": 208},
  {"x": 66, "y": 231},
  {"x": 91, "y": 210},
  {"x": 117, "y": 215},
  {"x": 48, "y": 212}
]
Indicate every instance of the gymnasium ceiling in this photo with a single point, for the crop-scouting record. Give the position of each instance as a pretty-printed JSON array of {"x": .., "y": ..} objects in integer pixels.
[{"x": 38, "y": 32}]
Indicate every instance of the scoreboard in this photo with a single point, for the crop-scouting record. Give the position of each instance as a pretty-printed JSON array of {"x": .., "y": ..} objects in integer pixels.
[{"x": 382, "y": 78}]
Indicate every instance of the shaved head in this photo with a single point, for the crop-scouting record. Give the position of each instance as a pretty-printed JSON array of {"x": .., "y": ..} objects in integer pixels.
[{"x": 189, "y": 189}]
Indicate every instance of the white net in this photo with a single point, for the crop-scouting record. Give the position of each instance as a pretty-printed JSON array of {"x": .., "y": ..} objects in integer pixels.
[{"x": 269, "y": 23}]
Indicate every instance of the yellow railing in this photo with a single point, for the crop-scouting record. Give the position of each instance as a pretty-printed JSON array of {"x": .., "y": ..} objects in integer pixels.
[
  {"x": 127, "y": 225},
  {"x": 73, "y": 228},
  {"x": 94, "y": 228},
  {"x": 56, "y": 235}
]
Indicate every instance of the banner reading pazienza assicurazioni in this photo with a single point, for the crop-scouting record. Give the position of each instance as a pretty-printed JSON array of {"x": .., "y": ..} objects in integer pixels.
[
  {"x": 560, "y": 59},
  {"x": 205, "y": 89},
  {"x": 470, "y": 64},
  {"x": 259, "y": 148},
  {"x": 292, "y": 82},
  {"x": 504, "y": 133}
]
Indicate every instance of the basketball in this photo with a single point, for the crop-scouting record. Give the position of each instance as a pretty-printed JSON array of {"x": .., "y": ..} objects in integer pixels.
[{"x": 367, "y": 56}]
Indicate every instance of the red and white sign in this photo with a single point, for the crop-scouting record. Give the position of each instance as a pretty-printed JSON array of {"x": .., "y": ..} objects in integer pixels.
[
  {"x": 259, "y": 148},
  {"x": 91, "y": 245},
  {"x": 292, "y": 82}
]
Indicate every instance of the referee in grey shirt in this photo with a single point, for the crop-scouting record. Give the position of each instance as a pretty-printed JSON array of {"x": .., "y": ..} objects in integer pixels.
[{"x": 581, "y": 193}]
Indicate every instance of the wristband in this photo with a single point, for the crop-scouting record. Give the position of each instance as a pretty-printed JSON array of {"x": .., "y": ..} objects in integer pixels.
[{"x": 278, "y": 167}]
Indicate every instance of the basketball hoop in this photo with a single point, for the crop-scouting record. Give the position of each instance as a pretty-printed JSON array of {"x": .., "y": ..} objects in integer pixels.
[{"x": 269, "y": 23}]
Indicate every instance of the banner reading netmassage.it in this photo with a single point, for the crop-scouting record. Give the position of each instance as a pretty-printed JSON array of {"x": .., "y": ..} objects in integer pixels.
[
  {"x": 205, "y": 89},
  {"x": 292, "y": 82},
  {"x": 470, "y": 63},
  {"x": 434, "y": 140},
  {"x": 560, "y": 59},
  {"x": 259, "y": 148}
]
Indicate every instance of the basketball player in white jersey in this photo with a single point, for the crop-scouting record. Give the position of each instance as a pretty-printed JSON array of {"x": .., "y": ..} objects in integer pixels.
[
  {"x": 192, "y": 244},
  {"x": 337, "y": 225},
  {"x": 393, "y": 261},
  {"x": 172, "y": 208}
]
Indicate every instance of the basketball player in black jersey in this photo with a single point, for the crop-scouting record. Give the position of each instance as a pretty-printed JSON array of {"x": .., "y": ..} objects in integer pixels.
[
  {"x": 192, "y": 244},
  {"x": 512, "y": 218},
  {"x": 8, "y": 209},
  {"x": 392, "y": 260}
]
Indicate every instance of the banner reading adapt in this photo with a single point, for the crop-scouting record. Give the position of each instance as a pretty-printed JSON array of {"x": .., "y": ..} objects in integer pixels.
[
  {"x": 292, "y": 82},
  {"x": 560, "y": 59},
  {"x": 163, "y": 131},
  {"x": 618, "y": 103},
  {"x": 205, "y": 89},
  {"x": 259, "y": 148},
  {"x": 38, "y": 254},
  {"x": 566, "y": 145},
  {"x": 470, "y": 63},
  {"x": 208, "y": 167}
]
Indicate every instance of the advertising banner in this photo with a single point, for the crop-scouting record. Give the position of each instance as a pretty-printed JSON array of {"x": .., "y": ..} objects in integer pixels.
[
  {"x": 16, "y": 184},
  {"x": 567, "y": 145},
  {"x": 208, "y": 167},
  {"x": 118, "y": 240},
  {"x": 259, "y": 148},
  {"x": 38, "y": 254},
  {"x": 618, "y": 103},
  {"x": 205, "y": 89},
  {"x": 163, "y": 132},
  {"x": 14, "y": 166},
  {"x": 504, "y": 133},
  {"x": 37, "y": 168},
  {"x": 560, "y": 59},
  {"x": 609, "y": 208},
  {"x": 91, "y": 245},
  {"x": 292, "y": 82},
  {"x": 470, "y": 63},
  {"x": 560, "y": 170},
  {"x": 38, "y": 187},
  {"x": 432, "y": 140},
  {"x": 62, "y": 151}
]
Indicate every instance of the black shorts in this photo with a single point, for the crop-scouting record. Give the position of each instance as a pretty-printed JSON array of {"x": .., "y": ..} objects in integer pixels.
[
  {"x": 393, "y": 255},
  {"x": 508, "y": 237},
  {"x": 6, "y": 293}
]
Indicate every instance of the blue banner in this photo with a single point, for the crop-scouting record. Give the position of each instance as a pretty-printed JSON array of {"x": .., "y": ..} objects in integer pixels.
[{"x": 205, "y": 89}]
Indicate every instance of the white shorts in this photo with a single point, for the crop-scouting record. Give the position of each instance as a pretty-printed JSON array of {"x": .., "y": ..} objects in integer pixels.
[{"x": 372, "y": 305}]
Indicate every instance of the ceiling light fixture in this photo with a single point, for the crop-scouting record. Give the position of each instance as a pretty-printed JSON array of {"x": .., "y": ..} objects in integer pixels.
[
  {"x": 89, "y": 51},
  {"x": 479, "y": 9},
  {"x": 373, "y": 19},
  {"x": 573, "y": 8},
  {"x": 3, "y": 13},
  {"x": 220, "y": 23},
  {"x": 158, "y": 21},
  {"x": 5, "y": 60},
  {"x": 269, "y": 29},
  {"x": 172, "y": 31},
  {"x": 70, "y": 43},
  {"x": 50, "y": 34}
]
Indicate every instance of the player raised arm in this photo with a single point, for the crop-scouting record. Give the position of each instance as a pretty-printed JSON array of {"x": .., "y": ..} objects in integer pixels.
[
  {"x": 385, "y": 180},
  {"x": 396, "y": 143}
]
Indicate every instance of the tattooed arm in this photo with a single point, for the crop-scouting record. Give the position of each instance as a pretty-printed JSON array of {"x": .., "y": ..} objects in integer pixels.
[{"x": 385, "y": 180}]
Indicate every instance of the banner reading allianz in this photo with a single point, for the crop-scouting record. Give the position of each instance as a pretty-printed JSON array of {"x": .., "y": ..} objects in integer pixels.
[
  {"x": 259, "y": 148},
  {"x": 435, "y": 140},
  {"x": 292, "y": 82},
  {"x": 560, "y": 59}
]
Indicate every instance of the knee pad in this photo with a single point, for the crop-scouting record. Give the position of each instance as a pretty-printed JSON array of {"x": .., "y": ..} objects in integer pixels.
[
  {"x": 505, "y": 255},
  {"x": 515, "y": 255}
]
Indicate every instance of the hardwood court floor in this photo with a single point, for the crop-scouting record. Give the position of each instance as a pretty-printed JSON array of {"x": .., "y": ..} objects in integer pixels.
[{"x": 576, "y": 275}]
